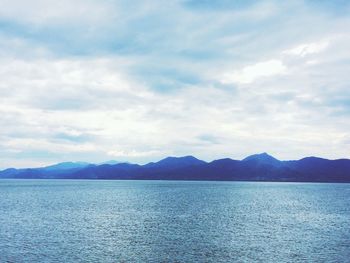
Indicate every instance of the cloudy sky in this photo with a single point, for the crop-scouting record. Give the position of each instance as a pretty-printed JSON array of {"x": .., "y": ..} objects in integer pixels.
[{"x": 93, "y": 80}]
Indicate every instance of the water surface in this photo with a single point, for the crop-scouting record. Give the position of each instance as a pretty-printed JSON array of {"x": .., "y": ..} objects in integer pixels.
[{"x": 173, "y": 221}]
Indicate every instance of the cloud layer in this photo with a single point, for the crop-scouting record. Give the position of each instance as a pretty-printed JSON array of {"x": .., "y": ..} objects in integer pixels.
[{"x": 97, "y": 80}]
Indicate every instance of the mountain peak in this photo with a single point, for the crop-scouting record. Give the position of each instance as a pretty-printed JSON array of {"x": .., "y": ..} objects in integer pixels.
[
  {"x": 176, "y": 161},
  {"x": 187, "y": 157},
  {"x": 263, "y": 158}
]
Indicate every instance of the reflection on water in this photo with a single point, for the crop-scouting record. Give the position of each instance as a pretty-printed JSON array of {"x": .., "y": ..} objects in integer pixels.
[{"x": 168, "y": 221}]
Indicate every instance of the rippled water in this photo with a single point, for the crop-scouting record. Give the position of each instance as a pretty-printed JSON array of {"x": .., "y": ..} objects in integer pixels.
[{"x": 168, "y": 221}]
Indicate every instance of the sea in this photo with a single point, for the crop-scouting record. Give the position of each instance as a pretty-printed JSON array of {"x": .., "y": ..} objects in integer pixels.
[{"x": 173, "y": 221}]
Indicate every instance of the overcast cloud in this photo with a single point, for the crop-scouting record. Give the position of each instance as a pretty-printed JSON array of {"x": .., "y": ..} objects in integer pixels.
[{"x": 140, "y": 80}]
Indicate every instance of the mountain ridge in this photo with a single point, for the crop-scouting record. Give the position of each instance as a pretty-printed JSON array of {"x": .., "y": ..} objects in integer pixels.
[{"x": 257, "y": 167}]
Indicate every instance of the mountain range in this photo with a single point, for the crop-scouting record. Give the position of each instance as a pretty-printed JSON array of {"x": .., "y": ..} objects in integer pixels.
[{"x": 257, "y": 167}]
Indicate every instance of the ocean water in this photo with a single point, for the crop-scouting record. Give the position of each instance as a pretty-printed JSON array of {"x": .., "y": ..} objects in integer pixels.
[{"x": 173, "y": 221}]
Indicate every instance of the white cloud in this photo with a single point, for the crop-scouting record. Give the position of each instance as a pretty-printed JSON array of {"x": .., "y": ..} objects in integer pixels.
[
  {"x": 308, "y": 48},
  {"x": 44, "y": 12},
  {"x": 252, "y": 72},
  {"x": 125, "y": 119},
  {"x": 132, "y": 153},
  {"x": 42, "y": 144}
]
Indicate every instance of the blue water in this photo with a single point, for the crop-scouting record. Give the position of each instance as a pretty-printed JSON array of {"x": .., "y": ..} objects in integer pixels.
[{"x": 168, "y": 221}]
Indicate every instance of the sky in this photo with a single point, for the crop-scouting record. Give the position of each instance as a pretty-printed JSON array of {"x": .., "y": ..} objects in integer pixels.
[{"x": 97, "y": 80}]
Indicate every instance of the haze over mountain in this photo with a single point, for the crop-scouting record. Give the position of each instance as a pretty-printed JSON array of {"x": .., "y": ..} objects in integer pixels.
[
  {"x": 257, "y": 167},
  {"x": 66, "y": 166}
]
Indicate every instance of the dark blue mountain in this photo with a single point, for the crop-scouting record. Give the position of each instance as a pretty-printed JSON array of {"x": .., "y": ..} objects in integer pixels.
[
  {"x": 258, "y": 167},
  {"x": 262, "y": 159},
  {"x": 53, "y": 171},
  {"x": 176, "y": 162},
  {"x": 106, "y": 171}
]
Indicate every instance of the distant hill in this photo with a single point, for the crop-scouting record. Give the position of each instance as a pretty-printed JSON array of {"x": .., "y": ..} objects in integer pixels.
[
  {"x": 111, "y": 162},
  {"x": 257, "y": 167},
  {"x": 66, "y": 166},
  {"x": 176, "y": 162}
]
